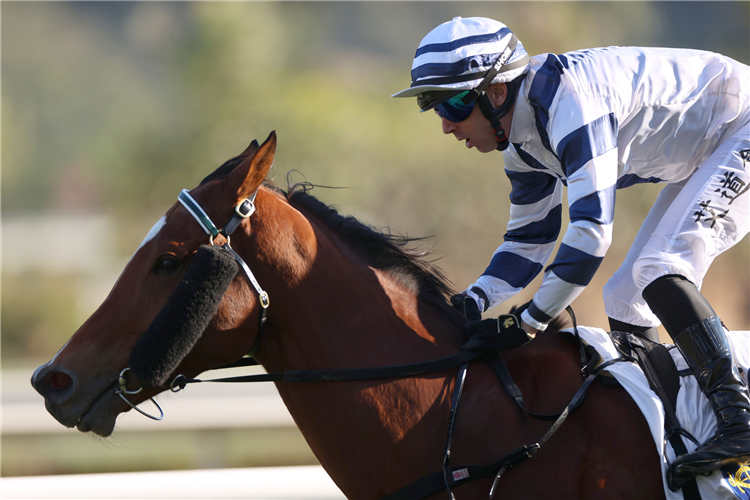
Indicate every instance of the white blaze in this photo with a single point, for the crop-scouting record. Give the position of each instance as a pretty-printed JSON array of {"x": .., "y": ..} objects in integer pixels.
[
  {"x": 150, "y": 236},
  {"x": 154, "y": 231}
]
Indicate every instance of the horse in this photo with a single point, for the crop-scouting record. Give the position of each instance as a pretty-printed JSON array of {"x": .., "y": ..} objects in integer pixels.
[{"x": 346, "y": 295}]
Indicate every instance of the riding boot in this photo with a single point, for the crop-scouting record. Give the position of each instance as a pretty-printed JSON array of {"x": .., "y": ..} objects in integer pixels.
[{"x": 706, "y": 350}]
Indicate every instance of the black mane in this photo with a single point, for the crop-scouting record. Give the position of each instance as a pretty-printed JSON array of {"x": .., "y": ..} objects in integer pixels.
[{"x": 381, "y": 249}]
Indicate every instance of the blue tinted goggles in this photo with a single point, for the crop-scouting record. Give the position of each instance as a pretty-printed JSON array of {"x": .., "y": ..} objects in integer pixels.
[{"x": 455, "y": 109}]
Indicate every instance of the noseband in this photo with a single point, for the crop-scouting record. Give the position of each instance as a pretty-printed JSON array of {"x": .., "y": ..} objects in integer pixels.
[{"x": 242, "y": 211}]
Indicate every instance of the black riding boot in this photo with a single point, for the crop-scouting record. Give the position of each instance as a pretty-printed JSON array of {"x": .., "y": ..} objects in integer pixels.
[{"x": 706, "y": 350}]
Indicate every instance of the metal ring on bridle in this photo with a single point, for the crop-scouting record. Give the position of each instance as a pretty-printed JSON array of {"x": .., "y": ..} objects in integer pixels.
[
  {"x": 123, "y": 383},
  {"x": 211, "y": 240},
  {"x": 178, "y": 383},
  {"x": 121, "y": 390}
]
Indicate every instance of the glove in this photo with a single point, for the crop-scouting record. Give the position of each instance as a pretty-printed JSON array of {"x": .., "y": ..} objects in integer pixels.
[
  {"x": 466, "y": 306},
  {"x": 499, "y": 334}
]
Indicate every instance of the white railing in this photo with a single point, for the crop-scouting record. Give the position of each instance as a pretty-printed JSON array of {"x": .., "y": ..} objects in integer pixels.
[
  {"x": 269, "y": 483},
  {"x": 199, "y": 406}
]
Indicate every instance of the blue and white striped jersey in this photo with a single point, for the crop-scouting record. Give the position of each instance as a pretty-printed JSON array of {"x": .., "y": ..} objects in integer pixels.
[{"x": 595, "y": 121}]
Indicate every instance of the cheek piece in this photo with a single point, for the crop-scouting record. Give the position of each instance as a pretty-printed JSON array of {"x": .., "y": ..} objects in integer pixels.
[{"x": 188, "y": 311}]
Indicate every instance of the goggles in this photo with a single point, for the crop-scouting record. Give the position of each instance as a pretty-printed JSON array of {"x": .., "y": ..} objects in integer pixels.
[{"x": 456, "y": 109}]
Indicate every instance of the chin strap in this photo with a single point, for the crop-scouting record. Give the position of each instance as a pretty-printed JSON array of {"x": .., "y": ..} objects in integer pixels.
[
  {"x": 494, "y": 115},
  {"x": 479, "y": 92}
]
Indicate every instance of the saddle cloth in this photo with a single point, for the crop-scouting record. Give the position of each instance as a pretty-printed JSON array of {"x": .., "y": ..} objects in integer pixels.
[{"x": 693, "y": 411}]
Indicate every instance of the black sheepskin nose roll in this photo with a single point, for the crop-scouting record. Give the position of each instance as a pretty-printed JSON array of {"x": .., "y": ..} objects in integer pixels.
[{"x": 188, "y": 311}]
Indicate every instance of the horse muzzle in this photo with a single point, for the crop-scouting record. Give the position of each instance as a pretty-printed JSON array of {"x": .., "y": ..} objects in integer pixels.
[{"x": 88, "y": 405}]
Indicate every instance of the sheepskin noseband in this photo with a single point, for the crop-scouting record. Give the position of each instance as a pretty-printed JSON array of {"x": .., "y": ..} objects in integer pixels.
[{"x": 188, "y": 311}]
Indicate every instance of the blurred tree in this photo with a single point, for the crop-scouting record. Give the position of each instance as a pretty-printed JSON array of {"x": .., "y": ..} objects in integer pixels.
[{"x": 116, "y": 106}]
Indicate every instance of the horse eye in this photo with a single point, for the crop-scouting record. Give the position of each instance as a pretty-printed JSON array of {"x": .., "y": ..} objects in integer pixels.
[{"x": 167, "y": 264}]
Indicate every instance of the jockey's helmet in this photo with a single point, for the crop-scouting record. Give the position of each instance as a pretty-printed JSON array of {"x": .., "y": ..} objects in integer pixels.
[
  {"x": 464, "y": 56},
  {"x": 460, "y": 54}
]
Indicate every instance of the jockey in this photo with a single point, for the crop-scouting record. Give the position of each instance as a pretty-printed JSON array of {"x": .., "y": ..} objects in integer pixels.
[{"x": 596, "y": 121}]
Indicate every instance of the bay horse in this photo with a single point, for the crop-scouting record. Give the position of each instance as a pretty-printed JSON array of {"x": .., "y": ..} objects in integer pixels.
[{"x": 345, "y": 295}]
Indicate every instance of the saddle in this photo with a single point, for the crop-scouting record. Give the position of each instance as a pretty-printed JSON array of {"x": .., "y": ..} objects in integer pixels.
[{"x": 664, "y": 379}]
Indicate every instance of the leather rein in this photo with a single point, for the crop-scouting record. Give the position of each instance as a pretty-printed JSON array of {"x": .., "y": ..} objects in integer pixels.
[{"x": 484, "y": 348}]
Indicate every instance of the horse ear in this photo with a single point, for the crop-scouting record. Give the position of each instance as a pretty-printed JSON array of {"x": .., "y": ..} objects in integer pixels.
[
  {"x": 252, "y": 148},
  {"x": 245, "y": 179}
]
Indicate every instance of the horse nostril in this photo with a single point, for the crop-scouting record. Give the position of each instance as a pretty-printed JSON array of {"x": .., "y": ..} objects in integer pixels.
[
  {"x": 59, "y": 381},
  {"x": 55, "y": 383}
]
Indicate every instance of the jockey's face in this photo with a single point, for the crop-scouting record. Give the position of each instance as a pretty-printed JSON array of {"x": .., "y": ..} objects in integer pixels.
[{"x": 476, "y": 130}]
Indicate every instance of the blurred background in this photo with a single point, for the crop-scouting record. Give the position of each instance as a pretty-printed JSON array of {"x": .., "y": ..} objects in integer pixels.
[{"x": 109, "y": 109}]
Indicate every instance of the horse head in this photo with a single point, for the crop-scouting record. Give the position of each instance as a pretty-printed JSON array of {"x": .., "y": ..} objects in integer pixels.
[{"x": 176, "y": 263}]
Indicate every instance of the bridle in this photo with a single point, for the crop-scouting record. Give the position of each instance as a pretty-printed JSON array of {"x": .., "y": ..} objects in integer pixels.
[
  {"x": 485, "y": 345},
  {"x": 242, "y": 211}
]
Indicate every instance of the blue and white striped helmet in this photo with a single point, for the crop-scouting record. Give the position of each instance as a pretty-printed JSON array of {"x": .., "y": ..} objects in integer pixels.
[{"x": 457, "y": 55}]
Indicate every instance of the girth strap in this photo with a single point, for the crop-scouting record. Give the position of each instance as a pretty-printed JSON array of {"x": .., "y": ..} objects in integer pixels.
[{"x": 664, "y": 379}]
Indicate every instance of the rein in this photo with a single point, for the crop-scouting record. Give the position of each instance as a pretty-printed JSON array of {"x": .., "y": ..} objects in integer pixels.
[{"x": 484, "y": 347}]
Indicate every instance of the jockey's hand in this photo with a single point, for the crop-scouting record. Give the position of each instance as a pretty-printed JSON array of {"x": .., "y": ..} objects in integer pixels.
[
  {"x": 529, "y": 329},
  {"x": 517, "y": 311},
  {"x": 466, "y": 306}
]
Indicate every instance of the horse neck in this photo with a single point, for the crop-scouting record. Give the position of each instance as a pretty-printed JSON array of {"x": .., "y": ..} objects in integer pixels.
[
  {"x": 331, "y": 307},
  {"x": 335, "y": 311}
]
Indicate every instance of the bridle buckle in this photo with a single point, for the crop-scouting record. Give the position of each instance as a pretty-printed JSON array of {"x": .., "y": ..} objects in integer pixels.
[
  {"x": 245, "y": 209},
  {"x": 265, "y": 300}
]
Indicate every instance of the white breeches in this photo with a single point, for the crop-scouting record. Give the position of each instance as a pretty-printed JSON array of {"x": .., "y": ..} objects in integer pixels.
[{"x": 689, "y": 225}]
